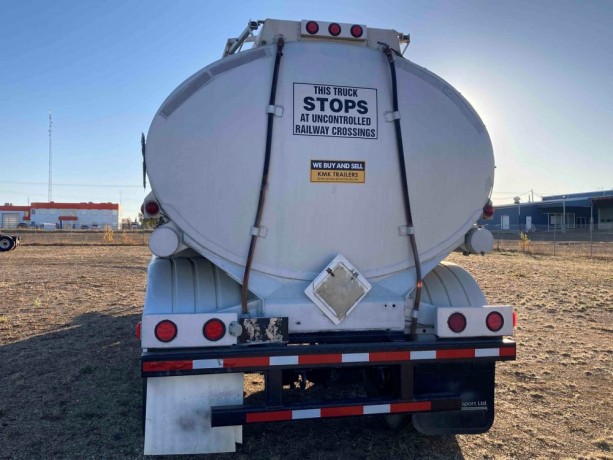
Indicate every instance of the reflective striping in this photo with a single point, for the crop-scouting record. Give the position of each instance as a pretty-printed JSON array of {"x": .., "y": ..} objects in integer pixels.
[
  {"x": 306, "y": 413},
  {"x": 420, "y": 406},
  {"x": 507, "y": 351},
  {"x": 335, "y": 358},
  {"x": 356, "y": 357},
  {"x": 157, "y": 366},
  {"x": 377, "y": 409},
  {"x": 338, "y": 411},
  {"x": 455, "y": 354},
  {"x": 283, "y": 360},
  {"x": 262, "y": 362},
  {"x": 278, "y": 416},
  {"x": 389, "y": 356},
  {"x": 208, "y": 364},
  {"x": 343, "y": 411},
  {"x": 256, "y": 361},
  {"x": 417, "y": 355},
  {"x": 487, "y": 352}
]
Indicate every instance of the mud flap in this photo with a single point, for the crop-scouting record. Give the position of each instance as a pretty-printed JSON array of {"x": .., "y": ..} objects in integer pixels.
[
  {"x": 475, "y": 385},
  {"x": 178, "y": 414}
]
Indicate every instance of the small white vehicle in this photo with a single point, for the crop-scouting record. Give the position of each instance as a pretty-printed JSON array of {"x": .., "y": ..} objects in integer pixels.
[{"x": 308, "y": 190}]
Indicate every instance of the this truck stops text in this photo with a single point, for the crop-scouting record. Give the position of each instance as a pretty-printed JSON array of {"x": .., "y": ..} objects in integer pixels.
[{"x": 336, "y": 111}]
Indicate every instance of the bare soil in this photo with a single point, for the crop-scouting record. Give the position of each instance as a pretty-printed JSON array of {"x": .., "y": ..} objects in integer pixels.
[{"x": 70, "y": 385}]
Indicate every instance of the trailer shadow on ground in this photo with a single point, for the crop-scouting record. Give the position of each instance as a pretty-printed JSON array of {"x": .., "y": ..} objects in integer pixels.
[{"x": 76, "y": 393}]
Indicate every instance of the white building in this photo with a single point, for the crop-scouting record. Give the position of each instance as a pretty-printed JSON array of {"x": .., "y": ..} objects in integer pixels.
[{"x": 62, "y": 215}]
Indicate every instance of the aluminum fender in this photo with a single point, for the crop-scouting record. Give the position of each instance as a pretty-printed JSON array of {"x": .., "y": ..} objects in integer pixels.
[{"x": 448, "y": 285}]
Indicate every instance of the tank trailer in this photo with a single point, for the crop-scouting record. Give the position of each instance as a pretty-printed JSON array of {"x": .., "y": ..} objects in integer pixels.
[{"x": 308, "y": 187}]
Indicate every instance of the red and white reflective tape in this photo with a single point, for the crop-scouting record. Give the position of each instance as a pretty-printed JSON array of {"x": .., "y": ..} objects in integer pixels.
[
  {"x": 322, "y": 359},
  {"x": 343, "y": 411}
]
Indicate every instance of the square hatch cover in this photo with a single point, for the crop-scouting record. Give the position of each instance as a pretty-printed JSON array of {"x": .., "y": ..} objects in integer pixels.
[{"x": 338, "y": 289}]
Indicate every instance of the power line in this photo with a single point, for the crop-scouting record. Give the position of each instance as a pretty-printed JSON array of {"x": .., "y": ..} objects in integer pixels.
[{"x": 70, "y": 185}]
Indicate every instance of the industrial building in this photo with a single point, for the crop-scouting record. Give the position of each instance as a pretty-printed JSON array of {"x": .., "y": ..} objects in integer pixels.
[
  {"x": 60, "y": 215},
  {"x": 574, "y": 211}
]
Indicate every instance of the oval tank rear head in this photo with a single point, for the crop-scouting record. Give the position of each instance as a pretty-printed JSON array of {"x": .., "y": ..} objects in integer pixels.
[{"x": 334, "y": 185}]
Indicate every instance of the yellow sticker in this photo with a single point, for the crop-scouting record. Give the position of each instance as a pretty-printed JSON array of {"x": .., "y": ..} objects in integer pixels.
[{"x": 352, "y": 172}]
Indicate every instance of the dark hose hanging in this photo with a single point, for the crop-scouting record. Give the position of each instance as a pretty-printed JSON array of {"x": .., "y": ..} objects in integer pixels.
[
  {"x": 264, "y": 186},
  {"x": 405, "y": 189}
]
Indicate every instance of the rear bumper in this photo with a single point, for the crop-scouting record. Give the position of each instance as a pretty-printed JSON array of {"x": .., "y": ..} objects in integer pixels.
[
  {"x": 441, "y": 377},
  {"x": 308, "y": 356}
]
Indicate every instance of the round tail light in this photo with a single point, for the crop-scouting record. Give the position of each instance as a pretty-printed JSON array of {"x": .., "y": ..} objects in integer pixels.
[
  {"x": 357, "y": 31},
  {"x": 312, "y": 27},
  {"x": 457, "y": 322},
  {"x": 152, "y": 207},
  {"x": 165, "y": 331},
  {"x": 334, "y": 29},
  {"x": 214, "y": 330},
  {"x": 488, "y": 210},
  {"x": 494, "y": 321}
]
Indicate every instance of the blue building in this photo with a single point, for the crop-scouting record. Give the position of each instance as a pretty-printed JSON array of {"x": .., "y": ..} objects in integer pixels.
[{"x": 574, "y": 211}]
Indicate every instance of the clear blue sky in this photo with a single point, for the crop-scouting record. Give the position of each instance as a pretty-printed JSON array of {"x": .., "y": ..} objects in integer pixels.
[{"x": 540, "y": 74}]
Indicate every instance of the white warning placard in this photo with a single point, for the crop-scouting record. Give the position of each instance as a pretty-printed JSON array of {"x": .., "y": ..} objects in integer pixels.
[{"x": 335, "y": 111}]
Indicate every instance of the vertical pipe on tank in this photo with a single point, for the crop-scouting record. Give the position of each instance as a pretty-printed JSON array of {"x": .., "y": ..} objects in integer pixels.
[
  {"x": 264, "y": 185},
  {"x": 405, "y": 189}
]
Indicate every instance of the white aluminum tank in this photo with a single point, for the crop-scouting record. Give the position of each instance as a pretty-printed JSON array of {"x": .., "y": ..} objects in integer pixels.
[{"x": 206, "y": 145}]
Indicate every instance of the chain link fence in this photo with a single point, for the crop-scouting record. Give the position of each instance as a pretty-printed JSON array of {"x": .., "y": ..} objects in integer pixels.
[
  {"x": 69, "y": 237},
  {"x": 583, "y": 243},
  {"x": 554, "y": 242}
]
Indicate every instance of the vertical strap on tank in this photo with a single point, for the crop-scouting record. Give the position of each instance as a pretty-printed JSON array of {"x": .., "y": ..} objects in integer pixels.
[
  {"x": 264, "y": 185},
  {"x": 405, "y": 188}
]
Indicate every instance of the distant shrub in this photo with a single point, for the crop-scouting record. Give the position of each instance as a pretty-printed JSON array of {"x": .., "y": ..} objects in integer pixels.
[
  {"x": 109, "y": 236},
  {"x": 524, "y": 241}
]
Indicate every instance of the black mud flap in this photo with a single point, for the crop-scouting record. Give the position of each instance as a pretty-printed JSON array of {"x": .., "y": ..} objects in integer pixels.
[{"x": 474, "y": 383}]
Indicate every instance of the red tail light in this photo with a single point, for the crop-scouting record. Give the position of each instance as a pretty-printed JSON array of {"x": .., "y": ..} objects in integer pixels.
[
  {"x": 488, "y": 210},
  {"x": 494, "y": 321},
  {"x": 214, "y": 330},
  {"x": 334, "y": 29},
  {"x": 457, "y": 322},
  {"x": 312, "y": 27},
  {"x": 138, "y": 328},
  {"x": 514, "y": 319},
  {"x": 357, "y": 31},
  {"x": 165, "y": 331},
  {"x": 152, "y": 207}
]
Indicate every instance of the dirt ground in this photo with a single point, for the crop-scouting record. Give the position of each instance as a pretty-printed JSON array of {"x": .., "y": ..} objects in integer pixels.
[{"x": 70, "y": 385}]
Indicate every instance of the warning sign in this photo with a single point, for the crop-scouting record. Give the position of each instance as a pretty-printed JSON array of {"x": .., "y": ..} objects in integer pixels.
[
  {"x": 335, "y": 111},
  {"x": 338, "y": 171}
]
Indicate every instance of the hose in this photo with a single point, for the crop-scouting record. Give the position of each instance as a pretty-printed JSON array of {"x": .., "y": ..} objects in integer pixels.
[
  {"x": 264, "y": 184},
  {"x": 389, "y": 53}
]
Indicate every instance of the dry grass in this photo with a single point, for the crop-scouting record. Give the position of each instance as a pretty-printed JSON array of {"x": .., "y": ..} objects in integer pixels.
[{"x": 70, "y": 384}]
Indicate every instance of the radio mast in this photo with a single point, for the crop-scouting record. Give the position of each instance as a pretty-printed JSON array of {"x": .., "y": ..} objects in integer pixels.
[{"x": 50, "y": 196}]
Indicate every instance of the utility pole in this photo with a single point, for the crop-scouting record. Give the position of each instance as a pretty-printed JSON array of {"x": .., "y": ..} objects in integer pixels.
[{"x": 50, "y": 195}]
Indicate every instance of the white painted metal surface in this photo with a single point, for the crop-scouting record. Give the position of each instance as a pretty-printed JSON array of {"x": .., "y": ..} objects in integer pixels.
[
  {"x": 475, "y": 321},
  {"x": 178, "y": 414},
  {"x": 479, "y": 241},
  {"x": 205, "y": 152},
  {"x": 165, "y": 241},
  {"x": 189, "y": 330}
]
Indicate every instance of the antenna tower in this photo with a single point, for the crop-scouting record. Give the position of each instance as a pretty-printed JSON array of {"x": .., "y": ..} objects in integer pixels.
[{"x": 50, "y": 197}]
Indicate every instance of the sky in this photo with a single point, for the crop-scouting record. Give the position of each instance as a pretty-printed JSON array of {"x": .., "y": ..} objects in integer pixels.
[{"x": 539, "y": 73}]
